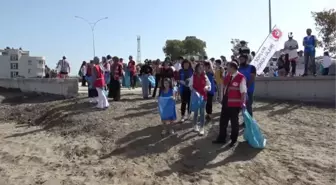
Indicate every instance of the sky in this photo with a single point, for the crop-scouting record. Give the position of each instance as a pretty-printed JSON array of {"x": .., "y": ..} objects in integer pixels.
[{"x": 49, "y": 27}]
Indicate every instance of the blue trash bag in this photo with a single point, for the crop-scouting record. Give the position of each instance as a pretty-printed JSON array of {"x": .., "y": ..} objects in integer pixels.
[
  {"x": 127, "y": 80},
  {"x": 196, "y": 100},
  {"x": 105, "y": 92},
  {"x": 252, "y": 132},
  {"x": 89, "y": 81},
  {"x": 139, "y": 80},
  {"x": 151, "y": 80},
  {"x": 107, "y": 78},
  {"x": 167, "y": 108}
]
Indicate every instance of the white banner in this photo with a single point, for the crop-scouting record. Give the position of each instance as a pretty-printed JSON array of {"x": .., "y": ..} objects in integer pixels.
[{"x": 267, "y": 50}]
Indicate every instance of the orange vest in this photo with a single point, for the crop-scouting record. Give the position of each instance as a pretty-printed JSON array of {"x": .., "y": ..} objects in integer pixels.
[
  {"x": 100, "y": 81},
  {"x": 233, "y": 91}
]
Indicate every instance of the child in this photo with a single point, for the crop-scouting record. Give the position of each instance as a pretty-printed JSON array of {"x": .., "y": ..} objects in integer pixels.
[
  {"x": 184, "y": 74},
  {"x": 326, "y": 63},
  {"x": 168, "y": 91},
  {"x": 200, "y": 83},
  {"x": 211, "y": 93}
]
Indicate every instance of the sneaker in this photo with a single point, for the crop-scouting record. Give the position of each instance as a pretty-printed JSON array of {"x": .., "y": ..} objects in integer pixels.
[
  {"x": 196, "y": 128},
  {"x": 172, "y": 131},
  {"x": 201, "y": 132},
  {"x": 182, "y": 119}
]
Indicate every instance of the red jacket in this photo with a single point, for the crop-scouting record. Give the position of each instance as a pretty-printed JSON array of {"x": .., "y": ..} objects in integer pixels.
[
  {"x": 199, "y": 83},
  {"x": 89, "y": 70},
  {"x": 116, "y": 70},
  {"x": 131, "y": 66},
  {"x": 233, "y": 92},
  {"x": 100, "y": 81}
]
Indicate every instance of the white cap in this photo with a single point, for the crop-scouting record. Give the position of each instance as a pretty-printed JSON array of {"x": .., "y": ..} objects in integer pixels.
[{"x": 290, "y": 34}]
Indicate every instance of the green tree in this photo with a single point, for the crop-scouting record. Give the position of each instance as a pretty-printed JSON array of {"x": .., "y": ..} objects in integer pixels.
[
  {"x": 236, "y": 45},
  {"x": 174, "y": 49},
  {"x": 325, "y": 22},
  {"x": 193, "y": 46}
]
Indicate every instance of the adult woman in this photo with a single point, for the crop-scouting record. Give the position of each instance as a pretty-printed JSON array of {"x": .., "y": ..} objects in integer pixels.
[
  {"x": 156, "y": 73},
  {"x": 92, "y": 92},
  {"x": 116, "y": 74},
  {"x": 99, "y": 84},
  {"x": 107, "y": 70},
  {"x": 145, "y": 71},
  {"x": 166, "y": 72},
  {"x": 184, "y": 74},
  {"x": 82, "y": 73}
]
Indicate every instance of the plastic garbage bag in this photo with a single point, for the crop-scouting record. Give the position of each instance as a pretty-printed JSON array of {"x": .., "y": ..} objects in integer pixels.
[
  {"x": 89, "y": 81},
  {"x": 196, "y": 101},
  {"x": 139, "y": 80},
  {"x": 151, "y": 80},
  {"x": 167, "y": 108},
  {"x": 105, "y": 92},
  {"x": 107, "y": 78},
  {"x": 252, "y": 132}
]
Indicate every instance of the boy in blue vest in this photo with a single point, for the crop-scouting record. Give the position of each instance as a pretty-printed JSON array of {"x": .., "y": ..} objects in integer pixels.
[
  {"x": 249, "y": 71},
  {"x": 309, "y": 43}
]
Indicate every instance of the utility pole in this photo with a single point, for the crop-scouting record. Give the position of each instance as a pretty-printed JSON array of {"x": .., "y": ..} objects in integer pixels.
[
  {"x": 270, "y": 16},
  {"x": 92, "y": 26},
  {"x": 138, "y": 60}
]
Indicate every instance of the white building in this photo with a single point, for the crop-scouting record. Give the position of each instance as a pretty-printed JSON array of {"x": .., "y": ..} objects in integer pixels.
[{"x": 18, "y": 63}]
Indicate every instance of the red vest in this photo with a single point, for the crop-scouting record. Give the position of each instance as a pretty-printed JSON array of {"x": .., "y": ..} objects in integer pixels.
[
  {"x": 199, "y": 83},
  {"x": 233, "y": 93},
  {"x": 100, "y": 81}
]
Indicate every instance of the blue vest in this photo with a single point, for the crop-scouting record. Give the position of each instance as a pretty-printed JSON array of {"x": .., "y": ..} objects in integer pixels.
[
  {"x": 310, "y": 44},
  {"x": 183, "y": 78},
  {"x": 246, "y": 71},
  {"x": 212, "y": 82}
]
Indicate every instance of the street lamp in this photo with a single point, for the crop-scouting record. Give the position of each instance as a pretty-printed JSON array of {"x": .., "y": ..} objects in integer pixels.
[
  {"x": 92, "y": 26},
  {"x": 270, "y": 16}
]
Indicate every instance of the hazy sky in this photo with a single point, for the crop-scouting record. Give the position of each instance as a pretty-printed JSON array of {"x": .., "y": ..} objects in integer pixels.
[{"x": 48, "y": 27}]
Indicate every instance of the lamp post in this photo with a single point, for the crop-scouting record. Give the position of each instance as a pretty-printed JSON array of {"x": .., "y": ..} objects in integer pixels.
[
  {"x": 269, "y": 16},
  {"x": 92, "y": 26}
]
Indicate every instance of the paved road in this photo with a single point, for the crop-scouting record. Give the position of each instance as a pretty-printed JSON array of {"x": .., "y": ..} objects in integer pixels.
[{"x": 84, "y": 90}]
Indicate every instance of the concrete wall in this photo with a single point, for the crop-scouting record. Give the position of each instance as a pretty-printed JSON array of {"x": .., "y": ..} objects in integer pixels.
[
  {"x": 307, "y": 89},
  {"x": 65, "y": 87}
]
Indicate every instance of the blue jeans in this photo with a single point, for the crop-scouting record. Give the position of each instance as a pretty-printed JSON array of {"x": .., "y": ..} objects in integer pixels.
[
  {"x": 145, "y": 85},
  {"x": 201, "y": 110},
  {"x": 249, "y": 103},
  {"x": 309, "y": 58}
]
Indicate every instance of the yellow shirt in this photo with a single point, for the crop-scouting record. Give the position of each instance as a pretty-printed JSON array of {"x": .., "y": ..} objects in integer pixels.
[{"x": 218, "y": 76}]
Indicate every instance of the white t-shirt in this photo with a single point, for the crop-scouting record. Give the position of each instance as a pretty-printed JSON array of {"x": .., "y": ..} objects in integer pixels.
[
  {"x": 326, "y": 62},
  {"x": 177, "y": 66},
  {"x": 291, "y": 53}
]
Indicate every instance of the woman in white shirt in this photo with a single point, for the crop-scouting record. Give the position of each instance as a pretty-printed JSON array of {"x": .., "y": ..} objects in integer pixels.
[{"x": 326, "y": 63}]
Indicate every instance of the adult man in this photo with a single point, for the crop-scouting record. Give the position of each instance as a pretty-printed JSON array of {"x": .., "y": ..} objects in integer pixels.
[
  {"x": 233, "y": 100},
  {"x": 309, "y": 43},
  {"x": 145, "y": 71},
  {"x": 290, "y": 48},
  {"x": 63, "y": 67},
  {"x": 132, "y": 69},
  {"x": 250, "y": 72}
]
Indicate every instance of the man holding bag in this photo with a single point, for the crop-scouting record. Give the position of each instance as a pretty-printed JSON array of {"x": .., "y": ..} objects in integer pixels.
[{"x": 233, "y": 100}]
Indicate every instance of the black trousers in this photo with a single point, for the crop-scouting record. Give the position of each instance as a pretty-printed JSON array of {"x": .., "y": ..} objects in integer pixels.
[
  {"x": 133, "y": 77},
  {"x": 185, "y": 101},
  {"x": 114, "y": 91},
  {"x": 293, "y": 65},
  {"x": 229, "y": 114},
  {"x": 208, "y": 106},
  {"x": 83, "y": 81},
  {"x": 157, "y": 81}
]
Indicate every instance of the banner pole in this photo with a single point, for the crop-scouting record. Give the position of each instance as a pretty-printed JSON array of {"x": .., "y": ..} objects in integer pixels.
[{"x": 265, "y": 40}]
